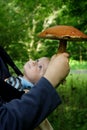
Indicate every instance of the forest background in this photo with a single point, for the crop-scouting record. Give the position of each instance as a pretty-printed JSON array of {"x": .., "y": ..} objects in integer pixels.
[
  {"x": 22, "y": 21},
  {"x": 20, "y": 24}
]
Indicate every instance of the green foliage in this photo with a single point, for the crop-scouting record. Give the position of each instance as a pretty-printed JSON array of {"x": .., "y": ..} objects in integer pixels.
[
  {"x": 78, "y": 65},
  {"x": 21, "y": 21},
  {"x": 72, "y": 113}
]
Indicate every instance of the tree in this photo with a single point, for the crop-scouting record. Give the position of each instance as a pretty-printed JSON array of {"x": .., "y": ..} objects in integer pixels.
[{"x": 21, "y": 21}]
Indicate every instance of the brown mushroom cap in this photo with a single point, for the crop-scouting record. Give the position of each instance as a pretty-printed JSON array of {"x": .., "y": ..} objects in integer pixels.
[{"x": 63, "y": 32}]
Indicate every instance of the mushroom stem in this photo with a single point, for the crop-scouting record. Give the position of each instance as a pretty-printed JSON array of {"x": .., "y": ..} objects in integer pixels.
[{"x": 62, "y": 46}]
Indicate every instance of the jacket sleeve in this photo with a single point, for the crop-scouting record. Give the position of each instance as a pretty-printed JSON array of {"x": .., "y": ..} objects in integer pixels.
[{"x": 33, "y": 107}]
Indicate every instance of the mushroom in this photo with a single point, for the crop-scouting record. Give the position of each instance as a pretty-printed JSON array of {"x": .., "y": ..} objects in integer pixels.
[{"x": 63, "y": 33}]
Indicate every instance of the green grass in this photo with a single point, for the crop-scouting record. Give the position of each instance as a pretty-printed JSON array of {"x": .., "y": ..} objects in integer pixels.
[
  {"x": 78, "y": 65},
  {"x": 72, "y": 113}
]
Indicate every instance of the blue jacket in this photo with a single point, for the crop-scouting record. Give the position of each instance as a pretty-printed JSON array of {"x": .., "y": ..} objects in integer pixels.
[{"x": 26, "y": 113}]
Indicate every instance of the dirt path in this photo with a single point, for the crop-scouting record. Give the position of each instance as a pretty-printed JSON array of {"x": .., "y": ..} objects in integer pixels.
[{"x": 78, "y": 71}]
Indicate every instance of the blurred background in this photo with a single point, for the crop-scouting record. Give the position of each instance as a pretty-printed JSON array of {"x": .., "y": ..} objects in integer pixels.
[{"x": 20, "y": 24}]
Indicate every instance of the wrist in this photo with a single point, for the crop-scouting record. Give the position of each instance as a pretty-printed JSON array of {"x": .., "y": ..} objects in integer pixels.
[{"x": 54, "y": 82}]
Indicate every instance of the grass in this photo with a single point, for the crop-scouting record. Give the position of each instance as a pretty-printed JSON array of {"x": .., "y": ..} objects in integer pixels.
[
  {"x": 78, "y": 65},
  {"x": 72, "y": 113}
]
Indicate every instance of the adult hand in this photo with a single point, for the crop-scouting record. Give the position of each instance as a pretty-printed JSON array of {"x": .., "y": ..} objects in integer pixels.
[{"x": 58, "y": 68}]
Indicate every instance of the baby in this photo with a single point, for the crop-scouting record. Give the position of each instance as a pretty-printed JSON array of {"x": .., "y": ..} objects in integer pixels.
[{"x": 33, "y": 71}]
